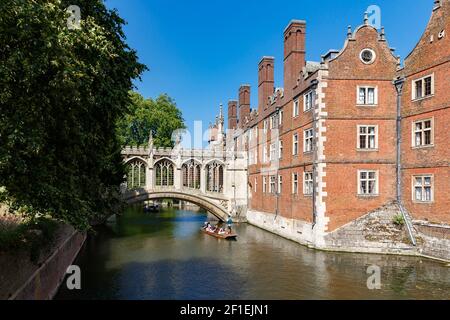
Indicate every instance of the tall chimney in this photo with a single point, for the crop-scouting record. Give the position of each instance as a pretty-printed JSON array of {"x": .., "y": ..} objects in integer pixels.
[
  {"x": 294, "y": 54},
  {"x": 244, "y": 104},
  {"x": 232, "y": 114},
  {"x": 265, "y": 81}
]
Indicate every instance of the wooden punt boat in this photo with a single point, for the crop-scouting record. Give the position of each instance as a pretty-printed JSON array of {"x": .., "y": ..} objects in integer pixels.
[{"x": 221, "y": 236}]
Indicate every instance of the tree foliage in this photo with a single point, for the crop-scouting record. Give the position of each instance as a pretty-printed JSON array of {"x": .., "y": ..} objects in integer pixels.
[
  {"x": 62, "y": 92},
  {"x": 161, "y": 117}
]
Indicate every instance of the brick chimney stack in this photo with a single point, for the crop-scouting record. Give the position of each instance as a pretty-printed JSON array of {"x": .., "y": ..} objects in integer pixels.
[
  {"x": 232, "y": 114},
  {"x": 244, "y": 104},
  {"x": 294, "y": 54},
  {"x": 265, "y": 81}
]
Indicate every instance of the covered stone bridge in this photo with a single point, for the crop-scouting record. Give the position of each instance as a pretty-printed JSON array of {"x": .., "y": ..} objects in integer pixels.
[{"x": 214, "y": 180}]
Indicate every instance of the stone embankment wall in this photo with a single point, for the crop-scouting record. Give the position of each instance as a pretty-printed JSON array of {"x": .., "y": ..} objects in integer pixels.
[
  {"x": 22, "y": 279},
  {"x": 436, "y": 240},
  {"x": 374, "y": 232}
]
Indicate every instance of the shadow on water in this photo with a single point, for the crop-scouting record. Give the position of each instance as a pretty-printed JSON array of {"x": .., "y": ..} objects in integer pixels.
[
  {"x": 166, "y": 279},
  {"x": 165, "y": 256}
]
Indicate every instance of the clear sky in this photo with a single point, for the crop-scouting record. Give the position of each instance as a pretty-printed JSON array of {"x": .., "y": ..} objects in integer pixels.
[{"x": 200, "y": 51}]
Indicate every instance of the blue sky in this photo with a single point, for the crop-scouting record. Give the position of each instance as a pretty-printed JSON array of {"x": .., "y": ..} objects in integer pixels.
[{"x": 200, "y": 51}]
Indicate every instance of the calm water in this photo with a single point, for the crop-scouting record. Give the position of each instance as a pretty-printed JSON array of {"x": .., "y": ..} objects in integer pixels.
[{"x": 165, "y": 256}]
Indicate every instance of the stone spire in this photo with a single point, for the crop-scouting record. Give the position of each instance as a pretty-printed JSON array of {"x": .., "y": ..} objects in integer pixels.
[
  {"x": 220, "y": 122},
  {"x": 221, "y": 110},
  {"x": 150, "y": 140},
  {"x": 382, "y": 34}
]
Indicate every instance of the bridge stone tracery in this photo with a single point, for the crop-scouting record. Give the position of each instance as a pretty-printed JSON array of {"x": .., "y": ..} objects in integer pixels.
[{"x": 213, "y": 179}]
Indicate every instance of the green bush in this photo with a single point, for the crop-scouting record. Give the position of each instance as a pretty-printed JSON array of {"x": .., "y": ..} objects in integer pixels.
[{"x": 399, "y": 220}]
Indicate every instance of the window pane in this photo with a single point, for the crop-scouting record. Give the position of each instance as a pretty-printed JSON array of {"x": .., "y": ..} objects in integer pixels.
[
  {"x": 371, "y": 187},
  {"x": 418, "y": 181},
  {"x": 427, "y": 181},
  {"x": 371, "y": 175},
  {"x": 363, "y": 187},
  {"x": 363, "y": 175},
  {"x": 428, "y": 86},
  {"x": 419, "y": 89},
  {"x": 362, "y": 95},
  {"x": 427, "y": 194},
  {"x": 371, "y": 96},
  {"x": 418, "y": 139},
  {"x": 418, "y": 193},
  {"x": 362, "y": 142},
  {"x": 372, "y": 142},
  {"x": 427, "y": 137},
  {"x": 418, "y": 126}
]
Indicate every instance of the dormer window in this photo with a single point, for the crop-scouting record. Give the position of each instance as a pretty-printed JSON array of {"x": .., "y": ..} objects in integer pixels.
[{"x": 423, "y": 87}]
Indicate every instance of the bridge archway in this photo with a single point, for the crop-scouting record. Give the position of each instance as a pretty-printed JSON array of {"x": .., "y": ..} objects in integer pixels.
[{"x": 137, "y": 196}]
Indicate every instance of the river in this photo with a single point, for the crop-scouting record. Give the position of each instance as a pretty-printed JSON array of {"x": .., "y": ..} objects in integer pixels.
[{"x": 165, "y": 256}]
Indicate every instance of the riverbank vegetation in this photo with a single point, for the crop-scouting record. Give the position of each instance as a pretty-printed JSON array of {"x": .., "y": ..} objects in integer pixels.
[
  {"x": 23, "y": 233},
  {"x": 62, "y": 92}
]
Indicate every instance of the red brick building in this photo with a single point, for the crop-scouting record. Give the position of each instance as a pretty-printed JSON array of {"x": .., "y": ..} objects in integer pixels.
[
  {"x": 426, "y": 121},
  {"x": 323, "y": 152}
]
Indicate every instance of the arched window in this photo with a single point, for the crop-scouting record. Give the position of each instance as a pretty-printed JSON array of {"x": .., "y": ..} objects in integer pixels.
[
  {"x": 164, "y": 173},
  {"x": 135, "y": 174},
  {"x": 214, "y": 177},
  {"x": 191, "y": 174}
]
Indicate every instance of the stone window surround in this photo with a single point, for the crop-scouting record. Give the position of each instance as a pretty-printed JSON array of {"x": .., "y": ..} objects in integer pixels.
[
  {"x": 377, "y": 184},
  {"x": 305, "y": 181},
  {"x": 296, "y": 108},
  {"x": 358, "y": 134},
  {"x": 306, "y": 96},
  {"x": 413, "y": 87},
  {"x": 295, "y": 144},
  {"x": 374, "y": 56},
  {"x": 295, "y": 183},
  {"x": 305, "y": 138},
  {"x": 413, "y": 188},
  {"x": 358, "y": 87},
  {"x": 413, "y": 134}
]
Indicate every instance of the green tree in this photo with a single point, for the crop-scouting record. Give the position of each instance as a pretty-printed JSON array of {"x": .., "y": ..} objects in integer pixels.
[
  {"x": 161, "y": 117},
  {"x": 62, "y": 92}
]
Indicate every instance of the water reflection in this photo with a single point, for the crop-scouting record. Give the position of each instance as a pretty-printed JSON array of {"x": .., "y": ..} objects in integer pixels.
[{"x": 164, "y": 256}]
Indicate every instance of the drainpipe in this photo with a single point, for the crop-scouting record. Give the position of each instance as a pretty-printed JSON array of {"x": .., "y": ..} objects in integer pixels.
[
  {"x": 248, "y": 176},
  {"x": 399, "y": 84},
  {"x": 277, "y": 176},
  {"x": 314, "y": 84}
]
